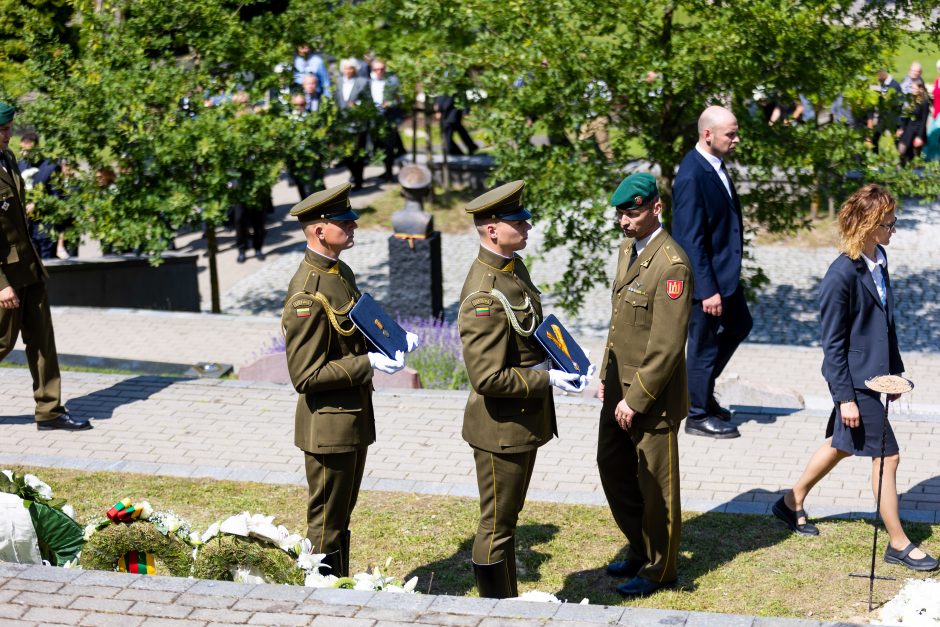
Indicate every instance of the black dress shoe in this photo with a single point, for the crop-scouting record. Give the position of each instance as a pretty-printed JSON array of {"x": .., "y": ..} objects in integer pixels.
[
  {"x": 626, "y": 568},
  {"x": 789, "y": 517},
  {"x": 711, "y": 427},
  {"x": 718, "y": 411},
  {"x": 65, "y": 422},
  {"x": 903, "y": 557},
  {"x": 241, "y": 256},
  {"x": 259, "y": 255},
  {"x": 639, "y": 587}
]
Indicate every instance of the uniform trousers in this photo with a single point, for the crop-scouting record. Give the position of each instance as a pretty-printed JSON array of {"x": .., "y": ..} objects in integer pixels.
[
  {"x": 333, "y": 481},
  {"x": 503, "y": 480},
  {"x": 712, "y": 342},
  {"x": 34, "y": 319},
  {"x": 639, "y": 472}
]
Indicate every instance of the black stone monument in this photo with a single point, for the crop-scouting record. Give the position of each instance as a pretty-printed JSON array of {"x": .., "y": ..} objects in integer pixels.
[{"x": 416, "y": 279}]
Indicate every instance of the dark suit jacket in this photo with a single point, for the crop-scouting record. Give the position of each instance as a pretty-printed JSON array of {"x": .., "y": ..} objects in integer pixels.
[
  {"x": 857, "y": 333},
  {"x": 360, "y": 94},
  {"x": 707, "y": 225}
]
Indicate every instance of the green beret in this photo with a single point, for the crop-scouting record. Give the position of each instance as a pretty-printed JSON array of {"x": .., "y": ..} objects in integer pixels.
[
  {"x": 504, "y": 203},
  {"x": 634, "y": 191},
  {"x": 330, "y": 204},
  {"x": 6, "y": 113}
]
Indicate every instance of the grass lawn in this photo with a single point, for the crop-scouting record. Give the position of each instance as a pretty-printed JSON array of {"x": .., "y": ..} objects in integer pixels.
[{"x": 728, "y": 563}]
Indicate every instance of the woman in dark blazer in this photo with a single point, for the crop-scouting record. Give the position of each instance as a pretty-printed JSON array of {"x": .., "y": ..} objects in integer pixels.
[{"x": 859, "y": 341}]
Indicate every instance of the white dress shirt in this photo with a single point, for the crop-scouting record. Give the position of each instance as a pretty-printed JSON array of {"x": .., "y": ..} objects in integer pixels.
[
  {"x": 715, "y": 163},
  {"x": 347, "y": 88},
  {"x": 876, "y": 269}
]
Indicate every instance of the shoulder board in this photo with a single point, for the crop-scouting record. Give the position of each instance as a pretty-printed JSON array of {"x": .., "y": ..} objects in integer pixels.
[
  {"x": 487, "y": 282},
  {"x": 671, "y": 254},
  {"x": 313, "y": 280}
]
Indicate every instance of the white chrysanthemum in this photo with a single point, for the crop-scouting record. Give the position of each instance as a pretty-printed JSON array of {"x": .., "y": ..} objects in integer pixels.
[
  {"x": 145, "y": 510},
  {"x": 42, "y": 489}
]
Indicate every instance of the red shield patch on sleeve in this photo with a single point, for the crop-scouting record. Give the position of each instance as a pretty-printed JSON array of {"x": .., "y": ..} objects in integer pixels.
[{"x": 674, "y": 288}]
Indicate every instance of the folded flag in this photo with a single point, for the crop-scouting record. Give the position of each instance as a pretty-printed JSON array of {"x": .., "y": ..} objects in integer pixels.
[{"x": 123, "y": 511}]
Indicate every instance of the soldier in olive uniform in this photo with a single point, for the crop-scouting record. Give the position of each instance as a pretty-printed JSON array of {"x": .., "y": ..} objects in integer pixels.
[
  {"x": 24, "y": 303},
  {"x": 331, "y": 368},
  {"x": 510, "y": 412},
  {"x": 644, "y": 389}
]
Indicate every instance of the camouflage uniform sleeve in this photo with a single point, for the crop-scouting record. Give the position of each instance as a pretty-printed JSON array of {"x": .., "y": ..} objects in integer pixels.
[
  {"x": 485, "y": 341},
  {"x": 308, "y": 347},
  {"x": 668, "y": 332}
]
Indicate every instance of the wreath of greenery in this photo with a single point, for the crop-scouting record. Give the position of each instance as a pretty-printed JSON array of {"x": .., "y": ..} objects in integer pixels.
[
  {"x": 221, "y": 555},
  {"x": 106, "y": 546}
]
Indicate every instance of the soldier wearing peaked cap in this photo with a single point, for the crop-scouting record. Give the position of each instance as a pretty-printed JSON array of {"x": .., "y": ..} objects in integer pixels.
[
  {"x": 331, "y": 368},
  {"x": 509, "y": 413},
  {"x": 644, "y": 390},
  {"x": 24, "y": 303}
]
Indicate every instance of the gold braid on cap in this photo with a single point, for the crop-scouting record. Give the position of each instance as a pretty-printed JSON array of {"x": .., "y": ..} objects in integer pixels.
[
  {"x": 331, "y": 314},
  {"x": 526, "y": 306}
]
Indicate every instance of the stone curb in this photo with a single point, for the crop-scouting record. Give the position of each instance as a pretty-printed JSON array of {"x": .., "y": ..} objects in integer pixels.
[{"x": 105, "y": 598}]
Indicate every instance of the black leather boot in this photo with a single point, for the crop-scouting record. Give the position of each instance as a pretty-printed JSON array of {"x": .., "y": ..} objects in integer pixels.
[
  {"x": 493, "y": 581},
  {"x": 335, "y": 562},
  {"x": 511, "y": 569},
  {"x": 344, "y": 540}
]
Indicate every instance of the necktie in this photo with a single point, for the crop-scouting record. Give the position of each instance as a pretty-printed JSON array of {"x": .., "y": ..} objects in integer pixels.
[
  {"x": 633, "y": 255},
  {"x": 883, "y": 292},
  {"x": 727, "y": 180}
]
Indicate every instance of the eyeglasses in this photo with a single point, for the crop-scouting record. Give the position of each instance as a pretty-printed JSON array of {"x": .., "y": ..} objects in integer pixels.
[{"x": 891, "y": 226}]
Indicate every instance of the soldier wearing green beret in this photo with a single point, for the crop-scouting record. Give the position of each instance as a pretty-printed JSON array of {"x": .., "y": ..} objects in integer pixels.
[
  {"x": 331, "y": 368},
  {"x": 509, "y": 413},
  {"x": 644, "y": 390},
  {"x": 24, "y": 303}
]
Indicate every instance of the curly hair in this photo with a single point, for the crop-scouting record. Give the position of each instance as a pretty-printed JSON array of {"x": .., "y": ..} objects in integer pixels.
[{"x": 860, "y": 215}]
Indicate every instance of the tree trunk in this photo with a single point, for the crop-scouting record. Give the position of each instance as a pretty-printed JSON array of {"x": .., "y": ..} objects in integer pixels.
[{"x": 212, "y": 248}]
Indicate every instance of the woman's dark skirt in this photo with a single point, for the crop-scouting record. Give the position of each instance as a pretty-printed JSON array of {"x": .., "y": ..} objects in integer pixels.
[{"x": 865, "y": 439}]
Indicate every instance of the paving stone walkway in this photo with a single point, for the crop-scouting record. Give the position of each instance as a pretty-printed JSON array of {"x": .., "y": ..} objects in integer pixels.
[{"x": 41, "y": 595}]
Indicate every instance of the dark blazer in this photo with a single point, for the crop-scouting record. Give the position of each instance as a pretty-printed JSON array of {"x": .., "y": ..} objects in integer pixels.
[
  {"x": 359, "y": 95},
  {"x": 707, "y": 225},
  {"x": 858, "y": 335}
]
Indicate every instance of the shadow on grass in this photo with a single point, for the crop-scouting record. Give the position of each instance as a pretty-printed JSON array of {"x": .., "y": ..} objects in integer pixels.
[
  {"x": 708, "y": 542},
  {"x": 453, "y": 575}
]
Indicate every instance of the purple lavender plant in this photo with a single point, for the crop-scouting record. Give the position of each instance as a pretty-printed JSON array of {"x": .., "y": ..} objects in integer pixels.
[{"x": 439, "y": 356}]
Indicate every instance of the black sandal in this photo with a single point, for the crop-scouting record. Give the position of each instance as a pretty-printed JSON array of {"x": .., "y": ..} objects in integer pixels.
[{"x": 790, "y": 518}]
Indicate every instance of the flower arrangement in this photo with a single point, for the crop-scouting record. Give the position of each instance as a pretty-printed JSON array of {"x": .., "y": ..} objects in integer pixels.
[
  {"x": 248, "y": 548},
  {"x": 135, "y": 538},
  {"x": 439, "y": 356},
  {"x": 373, "y": 581},
  {"x": 57, "y": 536}
]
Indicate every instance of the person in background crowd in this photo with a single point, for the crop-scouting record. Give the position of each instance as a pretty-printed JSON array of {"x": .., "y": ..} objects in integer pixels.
[
  {"x": 351, "y": 92},
  {"x": 386, "y": 94},
  {"x": 308, "y": 62},
  {"x": 311, "y": 93},
  {"x": 914, "y": 73},
  {"x": 48, "y": 238},
  {"x": 912, "y": 129},
  {"x": 885, "y": 117},
  {"x": 451, "y": 119}
]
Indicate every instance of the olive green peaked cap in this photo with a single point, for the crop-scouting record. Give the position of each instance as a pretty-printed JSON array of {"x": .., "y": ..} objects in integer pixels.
[
  {"x": 504, "y": 203},
  {"x": 634, "y": 191},
  {"x": 330, "y": 204}
]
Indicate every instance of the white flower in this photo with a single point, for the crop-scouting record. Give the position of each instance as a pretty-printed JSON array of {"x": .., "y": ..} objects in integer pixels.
[
  {"x": 211, "y": 532},
  {"x": 236, "y": 525},
  {"x": 8, "y": 473},
  {"x": 538, "y": 596},
  {"x": 584, "y": 601},
  {"x": 41, "y": 488},
  {"x": 310, "y": 561},
  {"x": 194, "y": 538},
  {"x": 89, "y": 531},
  {"x": 73, "y": 563},
  {"x": 372, "y": 581},
  {"x": 316, "y": 580},
  {"x": 409, "y": 587},
  {"x": 172, "y": 522},
  {"x": 69, "y": 511},
  {"x": 145, "y": 510},
  {"x": 411, "y": 584},
  {"x": 250, "y": 574},
  {"x": 291, "y": 544}
]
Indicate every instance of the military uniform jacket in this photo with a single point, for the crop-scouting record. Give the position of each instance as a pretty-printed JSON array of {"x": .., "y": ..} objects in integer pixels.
[
  {"x": 652, "y": 301},
  {"x": 327, "y": 359},
  {"x": 510, "y": 407},
  {"x": 19, "y": 262}
]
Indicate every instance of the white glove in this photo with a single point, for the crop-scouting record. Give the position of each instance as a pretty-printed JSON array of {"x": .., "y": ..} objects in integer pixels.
[
  {"x": 386, "y": 365},
  {"x": 412, "y": 340},
  {"x": 567, "y": 382},
  {"x": 591, "y": 370}
]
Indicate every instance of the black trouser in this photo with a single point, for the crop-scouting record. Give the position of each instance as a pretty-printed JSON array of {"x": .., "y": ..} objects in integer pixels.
[
  {"x": 391, "y": 143},
  {"x": 333, "y": 481},
  {"x": 451, "y": 124},
  {"x": 248, "y": 219},
  {"x": 34, "y": 319},
  {"x": 712, "y": 342}
]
